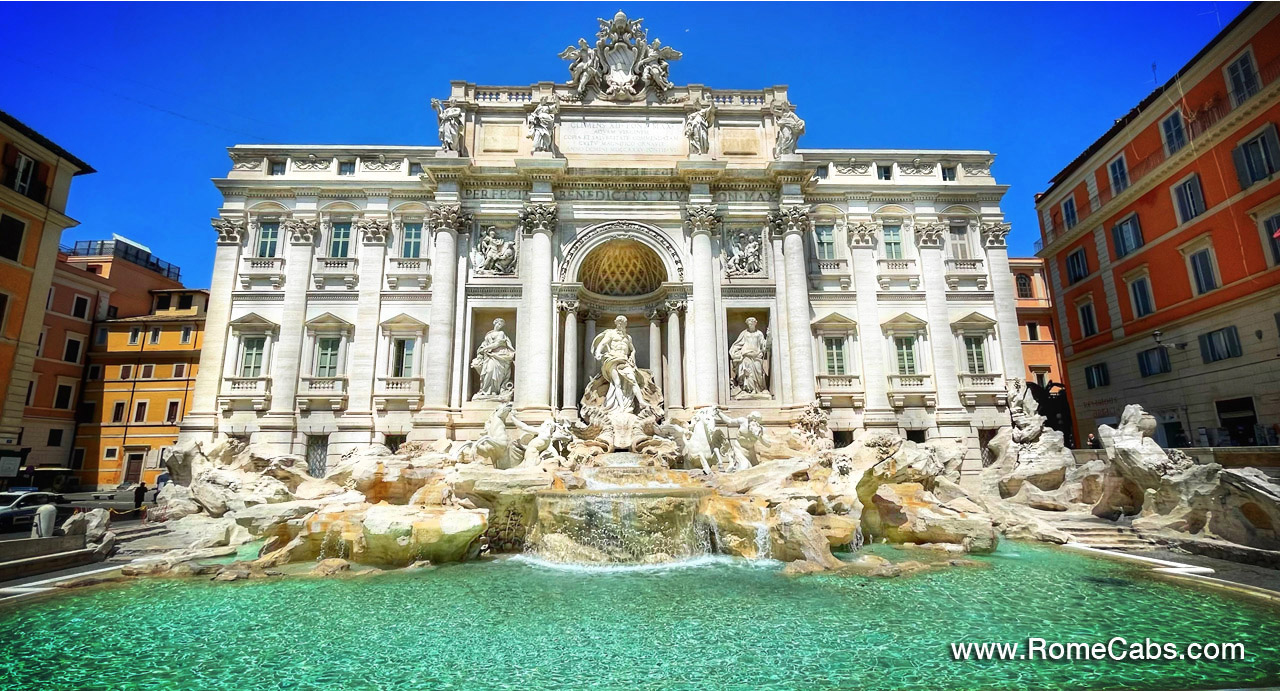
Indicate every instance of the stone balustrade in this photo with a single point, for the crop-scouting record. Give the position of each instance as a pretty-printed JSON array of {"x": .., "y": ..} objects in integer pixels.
[{"x": 887, "y": 270}]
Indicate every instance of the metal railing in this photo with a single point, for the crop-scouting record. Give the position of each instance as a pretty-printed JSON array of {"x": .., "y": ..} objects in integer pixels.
[{"x": 130, "y": 253}]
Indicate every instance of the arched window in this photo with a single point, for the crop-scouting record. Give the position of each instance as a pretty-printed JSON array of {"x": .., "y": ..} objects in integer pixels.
[{"x": 1024, "y": 286}]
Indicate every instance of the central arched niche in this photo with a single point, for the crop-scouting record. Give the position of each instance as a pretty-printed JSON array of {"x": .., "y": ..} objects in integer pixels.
[{"x": 622, "y": 268}]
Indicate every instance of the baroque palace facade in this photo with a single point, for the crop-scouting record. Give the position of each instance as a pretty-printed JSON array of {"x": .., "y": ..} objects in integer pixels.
[{"x": 366, "y": 294}]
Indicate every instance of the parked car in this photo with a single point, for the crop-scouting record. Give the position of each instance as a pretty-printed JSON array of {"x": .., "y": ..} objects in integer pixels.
[{"x": 19, "y": 508}]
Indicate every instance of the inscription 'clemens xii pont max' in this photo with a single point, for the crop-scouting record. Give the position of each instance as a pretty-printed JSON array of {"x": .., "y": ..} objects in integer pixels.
[{"x": 625, "y": 137}]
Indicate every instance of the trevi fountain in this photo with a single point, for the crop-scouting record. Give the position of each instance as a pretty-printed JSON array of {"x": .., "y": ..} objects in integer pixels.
[{"x": 633, "y": 541}]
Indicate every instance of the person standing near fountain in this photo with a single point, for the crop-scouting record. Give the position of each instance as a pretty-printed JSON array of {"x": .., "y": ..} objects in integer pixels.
[
  {"x": 493, "y": 362},
  {"x": 617, "y": 356}
]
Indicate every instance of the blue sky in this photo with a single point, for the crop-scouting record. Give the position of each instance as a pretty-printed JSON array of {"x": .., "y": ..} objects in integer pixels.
[{"x": 151, "y": 94}]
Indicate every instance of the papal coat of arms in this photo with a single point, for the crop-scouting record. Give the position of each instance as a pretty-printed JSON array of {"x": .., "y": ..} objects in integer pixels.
[{"x": 622, "y": 65}]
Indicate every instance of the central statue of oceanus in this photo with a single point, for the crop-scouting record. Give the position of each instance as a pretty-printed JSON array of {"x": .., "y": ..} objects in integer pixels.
[{"x": 622, "y": 397}]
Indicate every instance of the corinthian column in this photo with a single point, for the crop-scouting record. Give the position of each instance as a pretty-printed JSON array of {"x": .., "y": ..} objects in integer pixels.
[
  {"x": 534, "y": 336},
  {"x": 200, "y": 424},
  {"x": 674, "y": 393},
  {"x": 446, "y": 221},
  {"x": 655, "y": 345},
  {"x": 570, "y": 384},
  {"x": 702, "y": 220},
  {"x": 373, "y": 257},
  {"x": 792, "y": 222}
]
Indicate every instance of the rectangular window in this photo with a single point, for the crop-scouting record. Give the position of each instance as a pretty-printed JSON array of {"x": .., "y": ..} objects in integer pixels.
[
  {"x": 1077, "y": 265},
  {"x": 101, "y": 336},
  {"x": 155, "y": 336},
  {"x": 1069, "y": 217},
  {"x": 1190, "y": 198},
  {"x": 1220, "y": 345},
  {"x": 111, "y": 452},
  {"x": 893, "y": 242},
  {"x": 171, "y": 412},
  {"x": 1119, "y": 175},
  {"x": 86, "y": 411},
  {"x": 1202, "y": 271},
  {"x": 948, "y": 173},
  {"x": 340, "y": 241},
  {"x": 71, "y": 350},
  {"x": 834, "y": 348},
  {"x": 126, "y": 372},
  {"x": 95, "y": 372},
  {"x": 402, "y": 357},
  {"x": 1272, "y": 228},
  {"x": 186, "y": 335},
  {"x": 411, "y": 246},
  {"x": 1175, "y": 134},
  {"x": 77, "y": 458},
  {"x": 1126, "y": 235},
  {"x": 24, "y": 170},
  {"x": 1096, "y": 375},
  {"x": 905, "y": 349},
  {"x": 327, "y": 357},
  {"x": 1140, "y": 291},
  {"x": 826, "y": 239},
  {"x": 11, "y": 232},
  {"x": 55, "y": 437},
  {"x": 275, "y": 168},
  {"x": 80, "y": 307},
  {"x": 148, "y": 371},
  {"x": 252, "y": 351},
  {"x": 415, "y": 169},
  {"x": 1088, "y": 321},
  {"x": 180, "y": 370},
  {"x": 140, "y": 411},
  {"x": 62, "y": 397},
  {"x": 958, "y": 242},
  {"x": 185, "y": 301},
  {"x": 268, "y": 238},
  {"x": 135, "y": 335},
  {"x": 117, "y": 412},
  {"x": 163, "y": 302},
  {"x": 1154, "y": 361},
  {"x": 1257, "y": 157},
  {"x": 1243, "y": 78},
  {"x": 1033, "y": 331},
  {"x": 346, "y": 167},
  {"x": 975, "y": 354},
  {"x": 884, "y": 172}
]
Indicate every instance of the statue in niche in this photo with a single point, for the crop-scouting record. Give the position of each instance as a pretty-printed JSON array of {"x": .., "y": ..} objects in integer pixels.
[
  {"x": 493, "y": 361},
  {"x": 494, "y": 255},
  {"x": 541, "y": 123},
  {"x": 749, "y": 363},
  {"x": 697, "y": 128},
  {"x": 622, "y": 398},
  {"x": 790, "y": 127},
  {"x": 744, "y": 255},
  {"x": 450, "y": 127},
  {"x": 616, "y": 353}
]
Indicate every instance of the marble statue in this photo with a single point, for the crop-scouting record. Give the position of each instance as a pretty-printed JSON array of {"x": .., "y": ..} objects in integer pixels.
[
  {"x": 546, "y": 442},
  {"x": 703, "y": 441},
  {"x": 584, "y": 70},
  {"x": 494, "y": 445},
  {"x": 493, "y": 361},
  {"x": 622, "y": 66},
  {"x": 494, "y": 255},
  {"x": 541, "y": 123},
  {"x": 742, "y": 451},
  {"x": 450, "y": 128},
  {"x": 697, "y": 128},
  {"x": 748, "y": 363},
  {"x": 744, "y": 255},
  {"x": 617, "y": 356},
  {"x": 1024, "y": 413},
  {"x": 790, "y": 127},
  {"x": 653, "y": 68}
]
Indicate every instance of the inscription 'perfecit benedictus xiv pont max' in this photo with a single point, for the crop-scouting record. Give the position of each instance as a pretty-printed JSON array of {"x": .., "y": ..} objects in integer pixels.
[{"x": 438, "y": 282}]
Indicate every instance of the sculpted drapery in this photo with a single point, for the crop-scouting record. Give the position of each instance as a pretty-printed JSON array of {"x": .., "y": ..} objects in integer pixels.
[
  {"x": 493, "y": 362},
  {"x": 749, "y": 356}
]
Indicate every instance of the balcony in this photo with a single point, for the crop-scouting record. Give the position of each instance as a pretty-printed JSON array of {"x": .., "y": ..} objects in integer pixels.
[
  {"x": 341, "y": 268},
  {"x": 917, "y": 388},
  {"x": 889, "y": 270},
  {"x": 316, "y": 393},
  {"x": 238, "y": 392},
  {"x": 270, "y": 269},
  {"x": 831, "y": 269},
  {"x": 988, "y": 388},
  {"x": 398, "y": 393},
  {"x": 408, "y": 270},
  {"x": 958, "y": 270},
  {"x": 832, "y": 386}
]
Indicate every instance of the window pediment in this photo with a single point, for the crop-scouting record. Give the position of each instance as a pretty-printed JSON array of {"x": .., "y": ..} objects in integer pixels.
[
  {"x": 329, "y": 323},
  {"x": 974, "y": 321},
  {"x": 403, "y": 324},
  {"x": 254, "y": 323}
]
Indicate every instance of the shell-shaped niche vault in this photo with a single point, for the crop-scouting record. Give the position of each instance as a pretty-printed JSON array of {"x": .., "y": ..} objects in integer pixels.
[{"x": 622, "y": 268}]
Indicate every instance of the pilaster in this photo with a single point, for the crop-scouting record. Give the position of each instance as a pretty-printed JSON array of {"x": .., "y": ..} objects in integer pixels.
[
  {"x": 534, "y": 340},
  {"x": 1006, "y": 305},
  {"x": 793, "y": 222},
  {"x": 702, "y": 219},
  {"x": 201, "y": 422},
  {"x": 929, "y": 239}
]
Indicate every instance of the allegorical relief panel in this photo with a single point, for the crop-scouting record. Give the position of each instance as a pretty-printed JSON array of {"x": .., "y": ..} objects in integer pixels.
[
  {"x": 743, "y": 252},
  {"x": 493, "y": 251}
]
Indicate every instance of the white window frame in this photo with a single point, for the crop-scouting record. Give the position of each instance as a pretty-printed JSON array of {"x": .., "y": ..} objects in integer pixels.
[
  {"x": 349, "y": 239},
  {"x": 147, "y": 372},
  {"x": 153, "y": 337},
  {"x": 1260, "y": 134},
  {"x": 965, "y": 245},
  {"x": 169, "y": 404},
  {"x": 1194, "y": 247},
  {"x": 346, "y": 162},
  {"x": 187, "y": 332},
  {"x": 1036, "y": 332},
  {"x": 842, "y": 350},
  {"x": 78, "y": 338},
  {"x": 1111, "y": 174},
  {"x": 1070, "y": 220},
  {"x": 880, "y": 167},
  {"x": 135, "y": 335},
  {"x": 140, "y": 409},
  {"x": 1115, "y": 236},
  {"x": 1080, "y": 251},
  {"x": 76, "y": 301},
  {"x": 1175, "y": 192},
  {"x": 1093, "y": 368},
  {"x": 818, "y": 244},
  {"x": 21, "y": 185},
  {"x": 71, "y": 398},
  {"x": 1131, "y": 280},
  {"x": 1261, "y": 216},
  {"x": 175, "y": 374},
  {"x": 422, "y": 237},
  {"x": 1247, "y": 53},
  {"x": 1080, "y": 305},
  {"x": 901, "y": 242},
  {"x": 123, "y": 370},
  {"x": 123, "y": 407},
  {"x": 242, "y": 352},
  {"x": 275, "y": 241},
  {"x": 1182, "y": 126},
  {"x": 110, "y": 453}
]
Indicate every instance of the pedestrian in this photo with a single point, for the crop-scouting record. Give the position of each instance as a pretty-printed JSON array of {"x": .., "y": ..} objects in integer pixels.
[
  {"x": 161, "y": 481},
  {"x": 139, "y": 495},
  {"x": 1094, "y": 442}
]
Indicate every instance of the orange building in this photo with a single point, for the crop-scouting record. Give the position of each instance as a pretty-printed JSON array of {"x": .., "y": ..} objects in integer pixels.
[
  {"x": 35, "y": 179},
  {"x": 1038, "y": 328},
  {"x": 131, "y": 268},
  {"x": 138, "y": 387},
  {"x": 1160, "y": 250}
]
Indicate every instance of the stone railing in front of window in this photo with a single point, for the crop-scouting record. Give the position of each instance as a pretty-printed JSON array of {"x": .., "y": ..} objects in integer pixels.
[
  {"x": 832, "y": 268},
  {"x": 342, "y": 268},
  {"x": 889, "y": 270},
  {"x": 269, "y": 269},
  {"x": 327, "y": 392},
  {"x": 407, "y": 271},
  {"x": 903, "y": 387},
  {"x": 974, "y": 387},
  {"x": 237, "y": 392},
  {"x": 962, "y": 269},
  {"x": 831, "y": 386},
  {"x": 398, "y": 392}
]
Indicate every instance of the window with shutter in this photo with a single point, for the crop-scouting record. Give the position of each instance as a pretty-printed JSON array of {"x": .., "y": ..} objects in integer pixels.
[
  {"x": 11, "y": 232},
  {"x": 1220, "y": 345}
]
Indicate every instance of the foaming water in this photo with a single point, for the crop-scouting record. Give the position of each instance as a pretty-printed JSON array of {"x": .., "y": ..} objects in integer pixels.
[
  {"x": 708, "y": 622},
  {"x": 701, "y": 562}
]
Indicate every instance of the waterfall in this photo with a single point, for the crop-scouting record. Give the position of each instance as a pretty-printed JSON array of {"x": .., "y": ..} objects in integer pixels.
[{"x": 619, "y": 526}]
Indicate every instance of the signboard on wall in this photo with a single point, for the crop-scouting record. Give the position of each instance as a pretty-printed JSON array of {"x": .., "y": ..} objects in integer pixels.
[{"x": 9, "y": 466}]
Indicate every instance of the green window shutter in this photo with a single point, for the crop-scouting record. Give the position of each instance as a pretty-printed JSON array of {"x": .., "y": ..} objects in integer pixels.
[
  {"x": 1272, "y": 144},
  {"x": 1242, "y": 168},
  {"x": 1204, "y": 348},
  {"x": 1233, "y": 342}
]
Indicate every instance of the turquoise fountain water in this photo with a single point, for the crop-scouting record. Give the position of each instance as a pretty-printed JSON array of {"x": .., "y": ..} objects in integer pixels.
[{"x": 717, "y": 624}]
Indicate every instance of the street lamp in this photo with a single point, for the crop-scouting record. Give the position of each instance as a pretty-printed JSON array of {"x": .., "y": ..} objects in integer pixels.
[{"x": 1157, "y": 335}]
